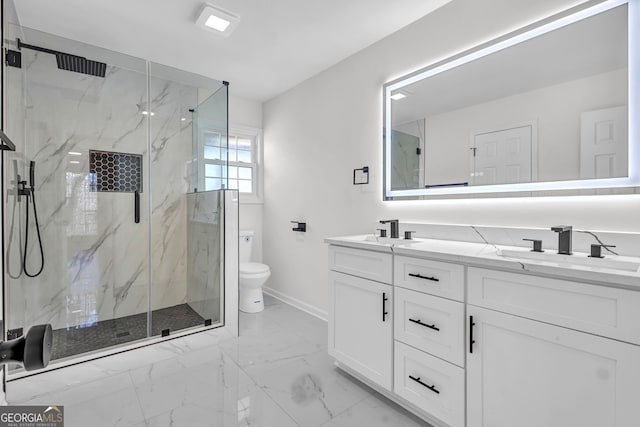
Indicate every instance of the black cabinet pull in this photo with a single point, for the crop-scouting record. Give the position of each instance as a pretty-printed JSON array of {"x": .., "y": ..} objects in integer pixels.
[
  {"x": 384, "y": 300},
  {"x": 136, "y": 207},
  {"x": 430, "y": 387},
  {"x": 419, "y": 276},
  {"x": 471, "y": 340},
  {"x": 424, "y": 324}
]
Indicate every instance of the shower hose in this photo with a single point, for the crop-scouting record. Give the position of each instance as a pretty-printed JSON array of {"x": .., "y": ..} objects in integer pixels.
[{"x": 26, "y": 237}]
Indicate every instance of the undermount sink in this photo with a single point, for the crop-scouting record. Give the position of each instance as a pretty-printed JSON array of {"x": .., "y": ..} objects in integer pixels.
[
  {"x": 579, "y": 259},
  {"x": 388, "y": 240}
]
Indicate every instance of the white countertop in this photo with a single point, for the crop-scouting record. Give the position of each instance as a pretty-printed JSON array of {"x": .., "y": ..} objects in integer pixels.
[{"x": 488, "y": 255}]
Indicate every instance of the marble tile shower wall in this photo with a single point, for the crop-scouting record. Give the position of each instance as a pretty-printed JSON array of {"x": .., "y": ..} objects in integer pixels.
[
  {"x": 96, "y": 257},
  {"x": 171, "y": 153}
]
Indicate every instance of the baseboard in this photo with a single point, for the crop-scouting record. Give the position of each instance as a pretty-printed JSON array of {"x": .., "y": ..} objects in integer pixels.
[{"x": 307, "y": 308}]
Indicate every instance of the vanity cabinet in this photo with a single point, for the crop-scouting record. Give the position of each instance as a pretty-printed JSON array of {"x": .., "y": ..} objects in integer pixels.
[
  {"x": 361, "y": 313},
  {"x": 464, "y": 345}
]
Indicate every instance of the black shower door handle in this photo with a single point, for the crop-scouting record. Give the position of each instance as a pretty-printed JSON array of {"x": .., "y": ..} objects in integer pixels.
[{"x": 136, "y": 207}]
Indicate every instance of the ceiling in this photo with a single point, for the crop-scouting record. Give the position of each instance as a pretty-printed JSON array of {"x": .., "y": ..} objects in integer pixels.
[{"x": 278, "y": 44}]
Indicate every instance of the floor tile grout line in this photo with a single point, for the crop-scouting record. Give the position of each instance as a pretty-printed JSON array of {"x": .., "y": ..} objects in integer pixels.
[
  {"x": 369, "y": 392},
  {"x": 266, "y": 393},
  {"x": 135, "y": 390},
  {"x": 365, "y": 397}
]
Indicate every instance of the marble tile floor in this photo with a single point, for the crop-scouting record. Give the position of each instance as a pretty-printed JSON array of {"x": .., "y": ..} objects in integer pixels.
[{"x": 276, "y": 374}]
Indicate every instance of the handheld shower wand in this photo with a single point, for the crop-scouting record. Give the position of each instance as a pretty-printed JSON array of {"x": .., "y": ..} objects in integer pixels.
[
  {"x": 32, "y": 175},
  {"x": 30, "y": 191}
]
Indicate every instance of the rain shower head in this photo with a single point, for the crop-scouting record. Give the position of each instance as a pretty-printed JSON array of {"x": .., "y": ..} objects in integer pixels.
[
  {"x": 78, "y": 64},
  {"x": 69, "y": 62}
]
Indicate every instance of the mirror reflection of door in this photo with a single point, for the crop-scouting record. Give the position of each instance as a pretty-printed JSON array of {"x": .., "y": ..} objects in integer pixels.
[
  {"x": 603, "y": 143},
  {"x": 502, "y": 156}
]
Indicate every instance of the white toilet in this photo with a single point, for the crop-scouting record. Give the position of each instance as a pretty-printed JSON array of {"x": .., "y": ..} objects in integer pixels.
[{"x": 253, "y": 276}]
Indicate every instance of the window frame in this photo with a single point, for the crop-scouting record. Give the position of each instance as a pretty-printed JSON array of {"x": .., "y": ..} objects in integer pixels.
[{"x": 255, "y": 135}]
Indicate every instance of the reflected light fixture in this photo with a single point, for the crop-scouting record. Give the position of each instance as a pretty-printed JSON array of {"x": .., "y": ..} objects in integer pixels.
[
  {"x": 397, "y": 96},
  {"x": 216, "y": 20}
]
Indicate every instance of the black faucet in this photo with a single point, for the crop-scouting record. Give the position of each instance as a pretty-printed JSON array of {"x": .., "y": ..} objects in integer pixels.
[
  {"x": 564, "y": 238},
  {"x": 395, "y": 227}
]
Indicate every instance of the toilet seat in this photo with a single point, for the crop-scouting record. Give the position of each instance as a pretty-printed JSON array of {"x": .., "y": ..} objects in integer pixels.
[{"x": 253, "y": 268}]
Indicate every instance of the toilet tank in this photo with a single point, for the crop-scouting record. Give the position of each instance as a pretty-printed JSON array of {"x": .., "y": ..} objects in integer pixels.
[{"x": 246, "y": 244}]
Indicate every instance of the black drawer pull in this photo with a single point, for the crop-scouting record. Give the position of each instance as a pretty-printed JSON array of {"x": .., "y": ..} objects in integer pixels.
[
  {"x": 430, "y": 387},
  {"x": 434, "y": 327},
  {"x": 419, "y": 276},
  {"x": 384, "y": 300}
]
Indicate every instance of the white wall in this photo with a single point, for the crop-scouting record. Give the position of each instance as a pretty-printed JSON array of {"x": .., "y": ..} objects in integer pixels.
[
  {"x": 318, "y": 132},
  {"x": 248, "y": 113}
]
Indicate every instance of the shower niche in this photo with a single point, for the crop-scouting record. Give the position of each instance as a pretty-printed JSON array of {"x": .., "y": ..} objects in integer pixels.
[{"x": 116, "y": 153}]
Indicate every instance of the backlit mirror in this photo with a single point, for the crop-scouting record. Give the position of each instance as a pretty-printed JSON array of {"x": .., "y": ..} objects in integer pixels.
[{"x": 546, "y": 108}]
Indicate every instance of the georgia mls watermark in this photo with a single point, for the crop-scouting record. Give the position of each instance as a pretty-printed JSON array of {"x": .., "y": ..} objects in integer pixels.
[{"x": 31, "y": 416}]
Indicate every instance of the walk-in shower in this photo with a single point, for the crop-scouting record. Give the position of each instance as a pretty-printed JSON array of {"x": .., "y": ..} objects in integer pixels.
[{"x": 105, "y": 237}]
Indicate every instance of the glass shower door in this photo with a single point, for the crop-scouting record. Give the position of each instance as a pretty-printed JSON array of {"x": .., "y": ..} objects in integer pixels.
[{"x": 186, "y": 244}]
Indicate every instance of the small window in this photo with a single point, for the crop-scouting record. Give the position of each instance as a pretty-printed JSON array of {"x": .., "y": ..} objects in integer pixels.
[{"x": 243, "y": 157}]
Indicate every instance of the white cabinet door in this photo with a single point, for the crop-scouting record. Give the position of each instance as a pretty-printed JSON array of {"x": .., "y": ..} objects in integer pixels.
[
  {"x": 360, "y": 326},
  {"x": 529, "y": 374}
]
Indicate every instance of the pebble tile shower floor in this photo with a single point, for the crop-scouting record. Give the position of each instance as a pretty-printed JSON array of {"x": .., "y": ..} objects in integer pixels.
[
  {"x": 276, "y": 374},
  {"x": 108, "y": 333}
]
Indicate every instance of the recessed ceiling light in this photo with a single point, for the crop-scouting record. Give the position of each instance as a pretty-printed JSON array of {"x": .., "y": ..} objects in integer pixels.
[
  {"x": 75, "y": 153},
  {"x": 183, "y": 119},
  {"x": 74, "y": 162},
  {"x": 397, "y": 96},
  {"x": 217, "y": 20},
  {"x": 217, "y": 23},
  {"x": 146, "y": 113}
]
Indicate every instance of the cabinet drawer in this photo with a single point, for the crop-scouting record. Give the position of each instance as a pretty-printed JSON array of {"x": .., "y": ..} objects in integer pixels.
[
  {"x": 357, "y": 262},
  {"x": 601, "y": 310},
  {"x": 433, "y": 277},
  {"x": 433, "y": 385},
  {"x": 431, "y": 324}
]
